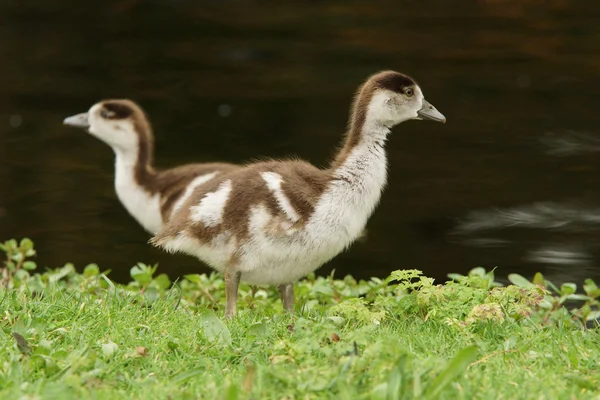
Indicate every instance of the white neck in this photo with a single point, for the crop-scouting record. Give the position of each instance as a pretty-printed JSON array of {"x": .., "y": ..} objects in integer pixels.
[
  {"x": 143, "y": 206},
  {"x": 366, "y": 165},
  {"x": 126, "y": 157},
  {"x": 374, "y": 133},
  {"x": 359, "y": 179}
]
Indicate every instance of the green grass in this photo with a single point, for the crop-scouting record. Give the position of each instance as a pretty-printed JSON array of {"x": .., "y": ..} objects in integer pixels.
[{"x": 70, "y": 335}]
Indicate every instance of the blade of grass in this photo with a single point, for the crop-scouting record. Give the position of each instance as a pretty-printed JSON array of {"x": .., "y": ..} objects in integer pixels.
[{"x": 455, "y": 368}]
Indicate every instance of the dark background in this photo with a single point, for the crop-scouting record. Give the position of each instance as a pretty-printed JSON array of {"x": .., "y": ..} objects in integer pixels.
[{"x": 519, "y": 82}]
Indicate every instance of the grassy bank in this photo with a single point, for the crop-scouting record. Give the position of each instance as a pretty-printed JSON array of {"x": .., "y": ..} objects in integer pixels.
[{"x": 71, "y": 335}]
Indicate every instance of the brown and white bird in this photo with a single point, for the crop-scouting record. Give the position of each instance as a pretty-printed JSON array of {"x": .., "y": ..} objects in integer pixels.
[
  {"x": 274, "y": 222},
  {"x": 150, "y": 196}
]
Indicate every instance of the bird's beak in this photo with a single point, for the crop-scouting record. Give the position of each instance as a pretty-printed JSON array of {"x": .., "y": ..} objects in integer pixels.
[
  {"x": 429, "y": 112},
  {"x": 79, "y": 121}
]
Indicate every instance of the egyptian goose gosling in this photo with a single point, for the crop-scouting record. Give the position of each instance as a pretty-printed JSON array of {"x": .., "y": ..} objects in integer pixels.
[
  {"x": 274, "y": 222},
  {"x": 150, "y": 196}
]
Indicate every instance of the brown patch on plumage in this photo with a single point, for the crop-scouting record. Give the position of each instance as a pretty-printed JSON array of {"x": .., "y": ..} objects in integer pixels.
[
  {"x": 168, "y": 200},
  {"x": 281, "y": 226},
  {"x": 169, "y": 183},
  {"x": 302, "y": 184},
  {"x": 120, "y": 109},
  {"x": 388, "y": 80}
]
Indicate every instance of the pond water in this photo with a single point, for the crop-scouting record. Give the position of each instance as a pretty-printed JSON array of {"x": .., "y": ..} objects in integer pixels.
[{"x": 512, "y": 180}]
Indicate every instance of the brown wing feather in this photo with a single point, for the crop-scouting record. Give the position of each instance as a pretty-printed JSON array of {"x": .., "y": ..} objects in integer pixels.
[{"x": 302, "y": 185}]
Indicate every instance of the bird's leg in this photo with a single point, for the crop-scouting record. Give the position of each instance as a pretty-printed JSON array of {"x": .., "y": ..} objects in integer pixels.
[
  {"x": 286, "y": 291},
  {"x": 232, "y": 281}
]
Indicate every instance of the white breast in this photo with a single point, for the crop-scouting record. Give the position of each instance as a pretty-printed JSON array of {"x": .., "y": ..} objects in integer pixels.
[{"x": 345, "y": 207}]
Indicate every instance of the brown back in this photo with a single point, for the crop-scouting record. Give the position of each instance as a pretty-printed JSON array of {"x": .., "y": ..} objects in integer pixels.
[{"x": 302, "y": 185}]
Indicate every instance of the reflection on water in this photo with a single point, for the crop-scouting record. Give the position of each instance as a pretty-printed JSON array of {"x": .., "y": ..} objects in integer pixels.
[
  {"x": 562, "y": 254},
  {"x": 560, "y": 237},
  {"x": 570, "y": 143},
  {"x": 512, "y": 180},
  {"x": 538, "y": 216}
]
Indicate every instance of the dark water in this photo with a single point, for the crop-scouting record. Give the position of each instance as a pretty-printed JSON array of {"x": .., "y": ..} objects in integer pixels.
[{"x": 512, "y": 180}]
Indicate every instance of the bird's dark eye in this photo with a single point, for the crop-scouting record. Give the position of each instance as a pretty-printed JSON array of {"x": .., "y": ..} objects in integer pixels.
[
  {"x": 106, "y": 114},
  {"x": 409, "y": 92}
]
